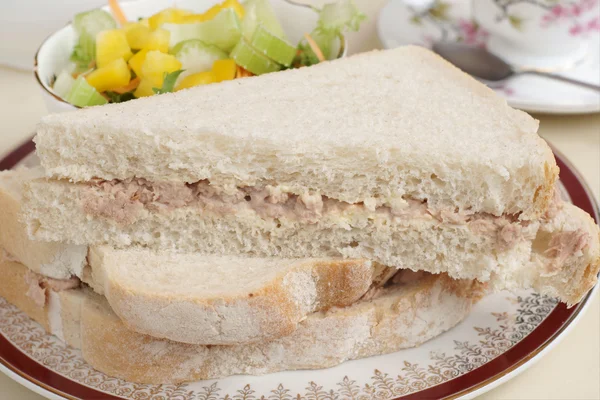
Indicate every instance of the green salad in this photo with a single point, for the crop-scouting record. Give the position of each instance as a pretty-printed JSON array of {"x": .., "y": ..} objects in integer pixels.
[{"x": 117, "y": 59}]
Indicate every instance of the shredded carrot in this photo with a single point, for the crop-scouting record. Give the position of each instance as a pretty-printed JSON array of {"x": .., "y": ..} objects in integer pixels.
[
  {"x": 242, "y": 73},
  {"x": 315, "y": 47},
  {"x": 117, "y": 11},
  {"x": 133, "y": 84}
]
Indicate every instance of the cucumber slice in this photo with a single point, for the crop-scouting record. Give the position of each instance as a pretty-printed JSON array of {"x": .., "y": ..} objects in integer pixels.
[
  {"x": 63, "y": 83},
  {"x": 93, "y": 22},
  {"x": 273, "y": 47},
  {"x": 260, "y": 12},
  {"x": 88, "y": 25},
  {"x": 197, "y": 56},
  {"x": 252, "y": 60},
  {"x": 222, "y": 31},
  {"x": 82, "y": 94}
]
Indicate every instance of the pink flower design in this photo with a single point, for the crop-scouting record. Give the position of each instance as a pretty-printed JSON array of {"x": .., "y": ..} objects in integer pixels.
[
  {"x": 580, "y": 29},
  {"x": 593, "y": 24},
  {"x": 505, "y": 89},
  {"x": 588, "y": 4},
  {"x": 472, "y": 33},
  {"x": 568, "y": 12},
  {"x": 559, "y": 11},
  {"x": 576, "y": 29}
]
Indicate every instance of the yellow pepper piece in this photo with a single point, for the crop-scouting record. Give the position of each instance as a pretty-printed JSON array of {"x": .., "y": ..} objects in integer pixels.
[
  {"x": 156, "y": 65},
  {"x": 167, "y": 15},
  {"x": 158, "y": 40},
  {"x": 224, "y": 70},
  {"x": 113, "y": 75},
  {"x": 111, "y": 45},
  {"x": 200, "y": 78},
  {"x": 136, "y": 62},
  {"x": 236, "y": 6},
  {"x": 144, "y": 89},
  {"x": 212, "y": 12},
  {"x": 137, "y": 34}
]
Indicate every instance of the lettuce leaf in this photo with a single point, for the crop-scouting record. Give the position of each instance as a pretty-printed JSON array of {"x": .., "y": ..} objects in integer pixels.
[{"x": 169, "y": 82}]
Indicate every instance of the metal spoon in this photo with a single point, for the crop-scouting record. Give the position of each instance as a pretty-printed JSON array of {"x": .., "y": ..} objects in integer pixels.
[{"x": 485, "y": 65}]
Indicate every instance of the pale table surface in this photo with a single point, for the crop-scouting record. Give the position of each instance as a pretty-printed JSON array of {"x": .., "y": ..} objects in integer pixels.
[{"x": 569, "y": 371}]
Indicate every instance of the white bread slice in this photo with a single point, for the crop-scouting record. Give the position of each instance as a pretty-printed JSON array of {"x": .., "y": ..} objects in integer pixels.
[
  {"x": 199, "y": 299},
  {"x": 383, "y": 124},
  {"x": 458, "y": 249},
  {"x": 399, "y": 317},
  {"x": 55, "y": 260}
]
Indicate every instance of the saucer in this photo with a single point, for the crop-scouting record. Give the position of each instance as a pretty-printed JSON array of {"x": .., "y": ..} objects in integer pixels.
[{"x": 404, "y": 22}]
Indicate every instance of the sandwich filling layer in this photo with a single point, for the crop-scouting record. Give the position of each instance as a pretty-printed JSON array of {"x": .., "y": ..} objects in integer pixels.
[
  {"x": 41, "y": 287},
  {"x": 124, "y": 201}
]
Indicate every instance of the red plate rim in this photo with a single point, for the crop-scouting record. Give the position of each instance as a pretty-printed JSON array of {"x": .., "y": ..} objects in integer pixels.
[{"x": 534, "y": 343}]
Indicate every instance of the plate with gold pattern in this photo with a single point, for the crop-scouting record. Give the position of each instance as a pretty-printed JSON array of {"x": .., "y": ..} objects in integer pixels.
[{"x": 503, "y": 335}]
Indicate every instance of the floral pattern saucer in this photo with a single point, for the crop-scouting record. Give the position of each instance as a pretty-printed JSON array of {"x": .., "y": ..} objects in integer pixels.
[{"x": 424, "y": 22}]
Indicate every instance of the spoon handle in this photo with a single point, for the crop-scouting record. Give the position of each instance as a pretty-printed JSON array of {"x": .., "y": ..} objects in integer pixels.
[{"x": 563, "y": 79}]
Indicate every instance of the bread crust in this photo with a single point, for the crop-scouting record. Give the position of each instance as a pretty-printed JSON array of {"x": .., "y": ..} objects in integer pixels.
[
  {"x": 543, "y": 195},
  {"x": 271, "y": 309}
]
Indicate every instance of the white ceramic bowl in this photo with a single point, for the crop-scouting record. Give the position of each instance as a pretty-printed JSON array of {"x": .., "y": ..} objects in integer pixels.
[{"x": 54, "y": 52}]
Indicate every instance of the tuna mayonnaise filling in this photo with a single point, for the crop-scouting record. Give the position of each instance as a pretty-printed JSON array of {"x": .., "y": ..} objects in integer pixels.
[
  {"x": 124, "y": 200},
  {"x": 38, "y": 286}
]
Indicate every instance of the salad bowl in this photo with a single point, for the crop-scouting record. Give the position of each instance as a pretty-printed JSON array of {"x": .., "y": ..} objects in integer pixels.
[{"x": 54, "y": 53}]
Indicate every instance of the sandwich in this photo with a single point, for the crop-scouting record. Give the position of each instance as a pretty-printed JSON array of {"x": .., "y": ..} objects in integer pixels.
[
  {"x": 107, "y": 309},
  {"x": 288, "y": 221},
  {"x": 391, "y": 156}
]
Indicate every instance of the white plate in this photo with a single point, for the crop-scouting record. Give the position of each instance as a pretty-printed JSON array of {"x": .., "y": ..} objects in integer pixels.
[{"x": 399, "y": 24}]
